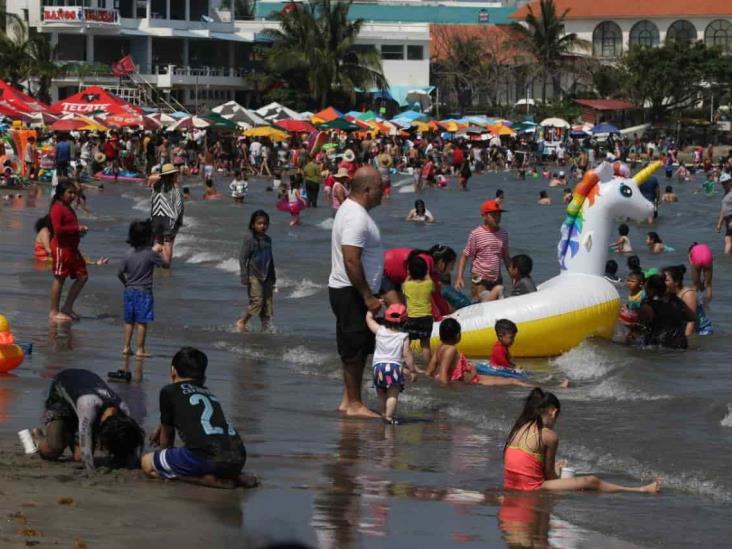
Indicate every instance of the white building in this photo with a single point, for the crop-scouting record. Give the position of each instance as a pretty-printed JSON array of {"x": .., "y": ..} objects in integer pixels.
[
  {"x": 192, "y": 50},
  {"x": 613, "y": 27}
]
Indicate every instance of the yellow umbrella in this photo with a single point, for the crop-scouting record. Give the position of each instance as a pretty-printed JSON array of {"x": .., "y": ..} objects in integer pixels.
[
  {"x": 500, "y": 129},
  {"x": 267, "y": 131},
  {"x": 421, "y": 126}
]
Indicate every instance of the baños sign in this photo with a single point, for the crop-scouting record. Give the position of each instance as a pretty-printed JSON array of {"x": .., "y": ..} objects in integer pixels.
[{"x": 79, "y": 14}]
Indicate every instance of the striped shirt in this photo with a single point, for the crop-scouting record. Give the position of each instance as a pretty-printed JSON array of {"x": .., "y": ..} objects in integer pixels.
[{"x": 487, "y": 248}]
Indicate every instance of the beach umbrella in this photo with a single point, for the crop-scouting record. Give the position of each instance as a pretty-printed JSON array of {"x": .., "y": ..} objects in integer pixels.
[
  {"x": 274, "y": 111},
  {"x": 420, "y": 126},
  {"x": 451, "y": 126},
  {"x": 78, "y": 123},
  {"x": 554, "y": 122},
  {"x": 219, "y": 122},
  {"x": 163, "y": 118},
  {"x": 188, "y": 123},
  {"x": 43, "y": 118},
  {"x": 339, "y": 124},
  {"x": 318, "y": 140},
  {"x": 326, "y": 115},
  {"x": 9, "y": 112},
  {"x": 605, "y": 127},
  {"x": 94, "y": 99},
  {"x": 267, "y": 131},
  {"x": 150, "y": 123},
  {"x": 500, "y": 129},
  {"x": 20, "y": 101},
  {"x": 295, "y": 126},
  {"x": 123, "y": 120}
]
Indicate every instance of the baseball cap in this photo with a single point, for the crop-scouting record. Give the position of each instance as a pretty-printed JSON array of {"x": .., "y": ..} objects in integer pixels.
[
  {"x": 490, "y": 206},
  {"x": 395, "y": 313}
]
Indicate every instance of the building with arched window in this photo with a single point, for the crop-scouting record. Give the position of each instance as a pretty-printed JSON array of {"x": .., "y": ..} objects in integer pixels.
[
  {"x": 611, "y": 28},
  {"x": 681, "y": 31},
  {"x": 719, "y": 33},
  {"x": 644, "y": 34},
  {"x": 607, "y": 40}
]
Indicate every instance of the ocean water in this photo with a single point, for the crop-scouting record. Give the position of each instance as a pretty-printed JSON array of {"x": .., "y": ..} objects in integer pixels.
[{"x": 630, "y": 416}]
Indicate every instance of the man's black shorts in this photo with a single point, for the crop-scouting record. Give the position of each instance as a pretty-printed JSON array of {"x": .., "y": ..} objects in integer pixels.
[{"x": 355, "y": 340}]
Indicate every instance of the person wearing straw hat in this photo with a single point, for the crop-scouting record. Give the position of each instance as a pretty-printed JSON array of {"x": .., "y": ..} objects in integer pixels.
[
  {"x": 339, "y": 192},
  {"x": 348, "y": 162},
  {"x": 384, "y": 163},
  {"x": 166, "y": 211}
]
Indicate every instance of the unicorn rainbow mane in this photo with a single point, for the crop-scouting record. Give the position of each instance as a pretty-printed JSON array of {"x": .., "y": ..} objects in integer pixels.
[{"x": 572, "y": 225}]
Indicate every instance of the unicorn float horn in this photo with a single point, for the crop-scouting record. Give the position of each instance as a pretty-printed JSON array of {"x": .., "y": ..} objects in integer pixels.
[{"x": 643, "y": 175}]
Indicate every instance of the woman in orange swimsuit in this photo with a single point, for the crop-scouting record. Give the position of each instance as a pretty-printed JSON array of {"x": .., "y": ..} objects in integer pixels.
[{"x": 531, "y": 449}]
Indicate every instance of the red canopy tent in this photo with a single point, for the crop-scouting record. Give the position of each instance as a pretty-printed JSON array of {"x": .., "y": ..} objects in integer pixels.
[
  {"x": 92, "y": 99},
  {"x": 8, "y": 111},
  {"x": 295, "y": 126},
  {"x": 20, "y": 101}
]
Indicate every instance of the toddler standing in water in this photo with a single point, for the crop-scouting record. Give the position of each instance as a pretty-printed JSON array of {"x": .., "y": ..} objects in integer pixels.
[
  {"x": 257, "y": 271},
  {"x": 392, "y": 357},
  {"x": 531, "y": 449},
  {"x": 417, "y": 289},
  {"x": 136, "y": 273}
]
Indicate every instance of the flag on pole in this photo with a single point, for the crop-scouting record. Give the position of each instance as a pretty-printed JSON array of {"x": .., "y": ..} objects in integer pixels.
[{"x": 124, "y": 66}]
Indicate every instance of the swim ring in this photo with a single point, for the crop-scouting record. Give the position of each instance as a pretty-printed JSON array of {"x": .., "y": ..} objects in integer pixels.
[
  {"x": 122, "y": 175},
  {"x": 579, "y": 302},
  {"x": 11, "y": 355},
  {"x": 486, "y": 369}
]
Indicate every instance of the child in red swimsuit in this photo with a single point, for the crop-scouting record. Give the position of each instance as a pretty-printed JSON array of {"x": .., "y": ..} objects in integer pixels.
[
  {"x": 506, "y": 333},
  {"x": 448, "y": 364}
]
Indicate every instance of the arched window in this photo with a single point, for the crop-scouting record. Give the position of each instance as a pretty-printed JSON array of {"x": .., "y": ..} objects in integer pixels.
[
  {"x": 607, "y": 40},
  {"x": 644, "y": 34},
  {"x": 681, "y": 31},
  {"x": 719, "y": 33}
]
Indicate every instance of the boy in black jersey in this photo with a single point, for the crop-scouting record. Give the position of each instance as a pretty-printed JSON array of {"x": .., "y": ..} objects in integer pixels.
[{"x": 213, "y": 453}]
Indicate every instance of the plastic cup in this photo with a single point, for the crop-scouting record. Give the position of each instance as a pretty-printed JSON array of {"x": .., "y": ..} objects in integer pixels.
[
  {"x": 29, "y": 445},
  {"x": 568, "y": 472}
]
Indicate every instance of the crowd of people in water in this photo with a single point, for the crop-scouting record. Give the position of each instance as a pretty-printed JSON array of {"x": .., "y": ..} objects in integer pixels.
[{"x": 385, "y": 301}]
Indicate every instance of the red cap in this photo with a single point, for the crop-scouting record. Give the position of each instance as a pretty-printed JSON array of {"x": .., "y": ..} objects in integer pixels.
[
  {"x": 395, "y": 313},
  {"x": 490, "y": 206}
]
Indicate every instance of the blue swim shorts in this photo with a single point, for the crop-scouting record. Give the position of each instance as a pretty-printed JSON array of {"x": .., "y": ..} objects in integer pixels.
[
  {"x": 181, "y": 462},
  {"x": 138, "y": 305}
]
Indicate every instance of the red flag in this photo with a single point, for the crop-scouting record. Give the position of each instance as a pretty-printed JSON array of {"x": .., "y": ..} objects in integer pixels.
[{"x": 124, "y": 66}]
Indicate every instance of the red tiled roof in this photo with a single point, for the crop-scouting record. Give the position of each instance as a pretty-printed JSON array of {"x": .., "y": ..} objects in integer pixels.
[
  {"x": 606, "y": 104},
  {"x": 495, "y": 39},
  {"x": 584, "y": 9}
]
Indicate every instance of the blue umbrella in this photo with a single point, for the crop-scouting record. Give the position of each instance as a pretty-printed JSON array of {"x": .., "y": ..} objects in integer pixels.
[{"x": 605, "y": 128}]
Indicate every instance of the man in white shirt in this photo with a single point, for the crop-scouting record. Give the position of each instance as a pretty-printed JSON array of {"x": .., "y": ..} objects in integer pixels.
[{"x": 357, "y": 266}]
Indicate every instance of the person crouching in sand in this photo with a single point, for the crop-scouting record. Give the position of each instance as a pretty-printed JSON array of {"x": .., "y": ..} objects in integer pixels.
[
  {"x": 531, "y": 449},
  {"x": 213, "y": 454},
  {"x": 82, "y": 410}
]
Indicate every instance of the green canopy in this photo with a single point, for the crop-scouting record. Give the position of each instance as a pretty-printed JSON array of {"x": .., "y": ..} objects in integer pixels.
[
  {"x": 339, "y": 124},
  {"x": 218, "y": 121}
]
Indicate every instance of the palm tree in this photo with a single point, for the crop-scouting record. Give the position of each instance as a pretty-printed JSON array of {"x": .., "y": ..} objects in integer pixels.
[
  {"x": 543, "y": 37},
  {"x": 14, "y": 47},
  {"x": 27, "y": 57},
  {"x": 315, "y": 44}
]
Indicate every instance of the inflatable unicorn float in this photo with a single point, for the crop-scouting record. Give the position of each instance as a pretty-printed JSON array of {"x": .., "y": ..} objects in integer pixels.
[{"x": 579, "y": 302}]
